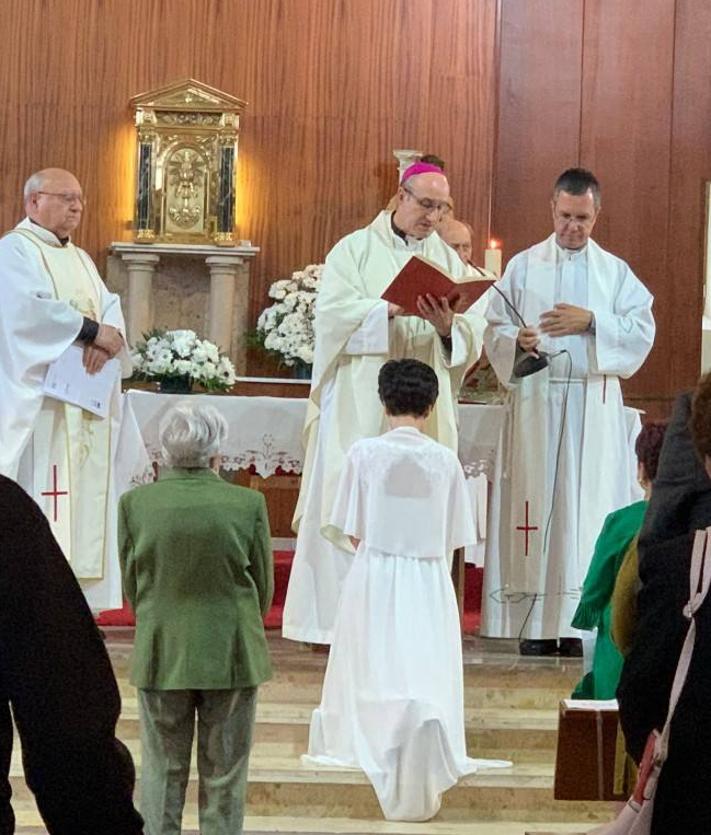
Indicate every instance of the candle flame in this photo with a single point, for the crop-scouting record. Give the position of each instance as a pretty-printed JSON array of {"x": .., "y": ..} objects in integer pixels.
[{"x": 494, "y": 244}]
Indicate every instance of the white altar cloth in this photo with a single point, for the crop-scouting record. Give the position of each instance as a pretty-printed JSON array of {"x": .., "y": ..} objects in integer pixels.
[{"x": 265, "y": 433}]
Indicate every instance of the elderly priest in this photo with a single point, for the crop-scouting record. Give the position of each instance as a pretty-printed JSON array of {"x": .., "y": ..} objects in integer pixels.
[
  {"x": 356, "y": 333},
  {"x": 570, "y": 321},
  {"x": 51, "y": 296}
]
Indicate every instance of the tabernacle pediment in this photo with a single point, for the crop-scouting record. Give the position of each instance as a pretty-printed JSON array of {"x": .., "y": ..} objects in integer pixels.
[{"x": 188, "y": 94}]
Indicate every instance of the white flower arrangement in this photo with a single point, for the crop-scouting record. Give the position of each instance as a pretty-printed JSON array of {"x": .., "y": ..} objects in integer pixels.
[
  {"x": 287, "y": 326},
  {"x": 181, "y": 354}
]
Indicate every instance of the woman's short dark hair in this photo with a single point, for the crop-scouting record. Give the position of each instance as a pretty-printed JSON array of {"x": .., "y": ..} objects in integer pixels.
[
  {"x": 648, "y": 446},
  {"x": 701, "y": 417},
  {"x": 407, "y": 387}
]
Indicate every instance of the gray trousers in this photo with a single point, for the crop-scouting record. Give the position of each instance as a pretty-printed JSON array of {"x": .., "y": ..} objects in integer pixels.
[{"x": 225, "y": 722}]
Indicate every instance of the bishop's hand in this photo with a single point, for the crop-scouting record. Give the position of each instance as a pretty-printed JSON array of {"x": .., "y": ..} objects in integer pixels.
[
  {"x": 437, "y": 312},
  {"x": 566, "y": 320}
]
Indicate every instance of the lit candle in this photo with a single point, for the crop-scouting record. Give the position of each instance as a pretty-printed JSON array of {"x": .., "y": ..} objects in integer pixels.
[{"x": 492, "y": 257}]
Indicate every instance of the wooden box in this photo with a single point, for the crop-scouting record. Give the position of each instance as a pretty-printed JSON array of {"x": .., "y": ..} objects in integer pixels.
[{"x": 585, "y": 758}]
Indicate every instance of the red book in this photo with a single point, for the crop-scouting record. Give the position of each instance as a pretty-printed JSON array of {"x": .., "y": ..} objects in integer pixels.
[{"x": 421, "y": 276}]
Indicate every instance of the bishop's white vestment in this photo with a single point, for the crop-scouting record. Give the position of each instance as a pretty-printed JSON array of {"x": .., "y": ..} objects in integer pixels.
[
  {"x": 564, "y": 461},
  {"x": 354, "y": 338},
  {"x": 393, "y": 694},
  {"x": 61, "y": 454}
]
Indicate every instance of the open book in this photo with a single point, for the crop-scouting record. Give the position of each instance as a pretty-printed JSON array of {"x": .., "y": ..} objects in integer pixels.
[{"x": 421, "y": 276}]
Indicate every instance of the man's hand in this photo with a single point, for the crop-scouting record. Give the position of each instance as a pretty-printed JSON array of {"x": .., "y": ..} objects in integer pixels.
[
  {"x": 437, "y": 312},
  {"x": 565, "y": 320},
  {"x": 528, "y": 339},
  {"x": 94, "y": 358},
  {"x": 109, "y": 339},
  {"x": 394, "y": 310}
]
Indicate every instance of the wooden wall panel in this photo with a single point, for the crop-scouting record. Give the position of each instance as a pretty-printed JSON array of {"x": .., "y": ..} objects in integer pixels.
[
  {"x": 538, "y": 129},
  {"x": 620, "y": 88},
  {"x": 690, "y": 170},
  {"x": 333, "y": 86},
  {"x": 628, "y": 68}
]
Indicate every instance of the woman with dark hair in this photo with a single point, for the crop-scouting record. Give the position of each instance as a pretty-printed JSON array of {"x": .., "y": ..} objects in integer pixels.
[
  {"x": 618, "y": 535},
  {"x": 392, "y": 701}
]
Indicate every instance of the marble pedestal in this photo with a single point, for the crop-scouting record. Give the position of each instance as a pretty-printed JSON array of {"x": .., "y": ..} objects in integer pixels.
[{"x": 205, "y": 288}]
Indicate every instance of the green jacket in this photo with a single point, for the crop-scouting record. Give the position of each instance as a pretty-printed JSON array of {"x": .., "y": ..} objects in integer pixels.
[
  {"x": 196, "y": 561},
  {"x": 595, "y": 607}
]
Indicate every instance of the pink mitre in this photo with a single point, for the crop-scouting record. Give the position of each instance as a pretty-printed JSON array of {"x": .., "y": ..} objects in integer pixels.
[{"x": 419, "y": 168}]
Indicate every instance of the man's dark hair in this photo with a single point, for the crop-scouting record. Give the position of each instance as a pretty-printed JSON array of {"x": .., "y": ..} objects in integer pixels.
[
  {"x": 578, "y": 181},
  {"x": 433, "y": 159},
  {"x": 407, "y": 387}
]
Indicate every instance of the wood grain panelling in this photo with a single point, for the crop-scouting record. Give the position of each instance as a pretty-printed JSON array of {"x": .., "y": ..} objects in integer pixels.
[
  {"x": 539, "y": 114},
  {"x": 628, "y": 68},
  {"x": 690, "y": 169},
  {"x": 333, "y": 86},
  {"x": 621, "y": 88}
]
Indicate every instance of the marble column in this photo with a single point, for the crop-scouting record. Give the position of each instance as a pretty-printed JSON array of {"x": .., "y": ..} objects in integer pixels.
[
  {"x": 223, "y": 280},
  {"x": 139, "y": 318}
]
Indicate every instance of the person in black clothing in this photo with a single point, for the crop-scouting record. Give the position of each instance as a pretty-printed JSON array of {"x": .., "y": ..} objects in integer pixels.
[
  {"x": 681, "y": 499},
  {"x": 682, "y": 505},
  {"x": 56, "y": 674}
]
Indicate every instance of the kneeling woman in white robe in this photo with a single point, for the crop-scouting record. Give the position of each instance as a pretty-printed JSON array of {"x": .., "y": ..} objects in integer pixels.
[{"x": 392, "y": 701}]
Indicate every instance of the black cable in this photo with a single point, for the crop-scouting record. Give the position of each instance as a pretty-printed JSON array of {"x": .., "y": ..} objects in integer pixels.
[
  {"x": 510, "y": 305},
  {"x": 525, "y": 620},
  {"x": 563, "y": 415}
]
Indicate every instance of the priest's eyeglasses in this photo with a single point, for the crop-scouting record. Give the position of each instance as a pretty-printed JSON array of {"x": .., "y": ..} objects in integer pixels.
[
  {"x": 66, "y": 197},
  {"x": 426, "y": 204}
]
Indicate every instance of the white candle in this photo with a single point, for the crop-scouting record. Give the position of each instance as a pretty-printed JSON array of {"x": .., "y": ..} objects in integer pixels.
[{"x": 492, "y": 258}]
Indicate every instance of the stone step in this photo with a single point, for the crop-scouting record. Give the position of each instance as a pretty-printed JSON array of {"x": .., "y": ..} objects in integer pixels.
[
  {"x": 476, "y": 695},
  {"x": 283, "y": 786},
  {"x": 29, "y": 824},
  {"x": 490, "y": 732}
]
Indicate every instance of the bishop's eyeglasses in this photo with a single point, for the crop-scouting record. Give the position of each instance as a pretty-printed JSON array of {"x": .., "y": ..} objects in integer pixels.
[{"x": 426, "y": 204}]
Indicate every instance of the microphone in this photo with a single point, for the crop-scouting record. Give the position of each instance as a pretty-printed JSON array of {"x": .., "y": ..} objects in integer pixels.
[{"x": 530, "y": 363}]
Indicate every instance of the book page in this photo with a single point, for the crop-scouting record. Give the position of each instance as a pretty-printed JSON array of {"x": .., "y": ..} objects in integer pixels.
[
  {"x": 67, "y": 380},
  {"x": 590, "y": 704}
]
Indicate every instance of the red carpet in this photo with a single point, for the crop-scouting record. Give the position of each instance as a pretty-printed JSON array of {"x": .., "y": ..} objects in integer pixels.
[{"x": 282, "y": 568}]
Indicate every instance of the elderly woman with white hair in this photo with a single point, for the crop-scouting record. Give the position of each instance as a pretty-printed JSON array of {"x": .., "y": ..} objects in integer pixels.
[{"x": 197, "y": 568}]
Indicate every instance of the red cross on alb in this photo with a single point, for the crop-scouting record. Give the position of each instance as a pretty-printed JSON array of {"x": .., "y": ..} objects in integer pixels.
[
  {"x": 526, "y": 528},
  {"x": 54, "y": 492}
]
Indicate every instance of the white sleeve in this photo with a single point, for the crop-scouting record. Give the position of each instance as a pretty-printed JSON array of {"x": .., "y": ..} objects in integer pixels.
[
  {"x": 462, "y": 528},
  {"x": 624, "y": 337},
  {"x": 348, "y": 512},
  {"x": 37, "y": 326},
  {"x": 501, "y": 335},
  {"x": 372, "y": 336}
]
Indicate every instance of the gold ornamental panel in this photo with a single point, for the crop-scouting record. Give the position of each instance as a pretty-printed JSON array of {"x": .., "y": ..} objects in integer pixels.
[{"x": 186, "y": 145}]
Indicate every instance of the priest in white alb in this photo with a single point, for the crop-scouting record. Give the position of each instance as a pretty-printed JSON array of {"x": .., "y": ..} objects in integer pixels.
[
  {"x": 565, "y": 461},
  {"x": 51, "y": 296},
  {"x": 356, "y": 333}
]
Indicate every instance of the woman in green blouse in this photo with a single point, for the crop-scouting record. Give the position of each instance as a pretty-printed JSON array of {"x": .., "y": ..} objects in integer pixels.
[{"x": 618, "y": 533}]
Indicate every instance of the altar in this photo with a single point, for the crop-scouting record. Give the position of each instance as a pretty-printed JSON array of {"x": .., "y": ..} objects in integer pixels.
[{"x": 264, "y": 443}]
